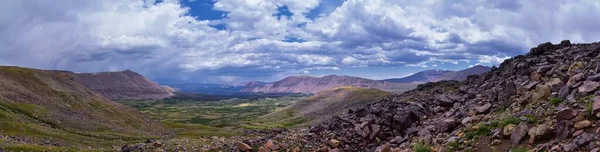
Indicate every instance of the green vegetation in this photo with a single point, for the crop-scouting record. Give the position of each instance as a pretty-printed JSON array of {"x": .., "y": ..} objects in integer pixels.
[
  {"x": 221, "y": 118},
  {"x": 519, "y": 149},
  {"x": 555, "y": 101},
  {"x": 480, "y": 130},
  {"x": 422, "y": 147},
  {"x": 453, "y": 145},
  {"x": 36, "y": 148},
  {"x": 531, "y": 118},
  {"x": 509, "y": 120},
  {"x": 589, "y": 105}
]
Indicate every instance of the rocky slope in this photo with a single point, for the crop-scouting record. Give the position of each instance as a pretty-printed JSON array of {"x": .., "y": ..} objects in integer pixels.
[
  {"x": 546, "y": 100},
  {"x": 326, "y": 104},
  {"x": 49, "y": 108},
  {"x": 125, "y": 85},
  {"x": 438, "y": 75},
  {"x": 308, "y": 84}
]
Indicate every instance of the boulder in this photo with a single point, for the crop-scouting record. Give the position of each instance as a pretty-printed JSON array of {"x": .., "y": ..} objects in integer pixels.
[
  {"x": 563, "y": 92},
  {"x": 566, "y": 114},
  {"x": 579, "y": 141},
  {"x": 244, "y": 147},
  {"x": 565, "y": 43},
  {"x": 582, "y": 124},
  {"x": 555, "y": 84},
  {"x": 444, "y": 101},
  {"x": 593, "y": 77},
  {"x": 588, "y": 87},
  {"x": 563, "y": 129},
  {"x": 518, "y": 133},
  {"x": 466, "y": 121},
  {"x": 541, "y": 93},
  {"x": 483, "y": 109},
  {"x": 333, "y": 143},
  {"x": 539, "y": 133},
  {"x": 575, "y": 78},
  {"x": 446, "y": 125},
  {"x": 269, "y": 144}
]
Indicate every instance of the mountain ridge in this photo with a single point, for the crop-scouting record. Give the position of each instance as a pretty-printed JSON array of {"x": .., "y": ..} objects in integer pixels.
[
  {"x": 122, "y": 85},
  {"x": 310, "y": 84},
  {"x": 438, "y": 75}
]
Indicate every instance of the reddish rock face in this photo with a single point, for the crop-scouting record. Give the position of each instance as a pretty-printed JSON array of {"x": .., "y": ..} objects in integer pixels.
[
  {"x": 308, "y": 84},
  {"x": 125, "y": 85}
]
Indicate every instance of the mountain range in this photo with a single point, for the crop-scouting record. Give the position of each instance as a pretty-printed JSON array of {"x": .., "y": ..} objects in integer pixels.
[
  {"x": 438, "y": 75},
  {"x": 309, "y": 84}
]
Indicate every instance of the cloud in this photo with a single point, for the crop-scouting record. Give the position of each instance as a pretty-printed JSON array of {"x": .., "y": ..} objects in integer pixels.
[{"x": 252, "y": 40}]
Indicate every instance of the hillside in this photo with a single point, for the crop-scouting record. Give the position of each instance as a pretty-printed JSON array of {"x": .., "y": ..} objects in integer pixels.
[
  {"x": 48, "y": 108},
  {"x": 439, "y": 75},
  {"x": 124, "y": 85},
  {"x": 326, "y": 104},
  {"x": 308, "y": 84},
  {"x": 546, "y": 100}
]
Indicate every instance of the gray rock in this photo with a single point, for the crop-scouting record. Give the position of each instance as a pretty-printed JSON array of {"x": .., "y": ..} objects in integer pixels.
[
  {"x": 579, "y": 141},
  {"x": 466, "y": 121},
  {"x": 566, "y": 114},
  {"x": 593, "y": 77},
  {"x": 539, "y": 133},
  {"x": 519, "y": 132},
  {"x": 576, "y": 78},
  {"x": 588, "y": 86},
  {"x": 563, "y": 92},
  {"x": 444, "y": 100},
  {"x": 563, "y": 129},
  {"x": 483, "y": 109},
  {"x": 446, "y": 125}
]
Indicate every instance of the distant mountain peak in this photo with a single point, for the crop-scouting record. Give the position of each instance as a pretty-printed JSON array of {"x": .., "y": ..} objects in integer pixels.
[
  {"x": 310, "y": 84},
  {"x": 437, "y": 75}
]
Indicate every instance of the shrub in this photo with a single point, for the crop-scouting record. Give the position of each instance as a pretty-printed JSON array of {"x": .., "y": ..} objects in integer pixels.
[
  {"x": 482, "y": 130},
  {"x": 509, "y": 120},
  {"x": 422, "y": 147},
  {"x": 453, "y": 145},
  {"x": 555, "y": 101}
]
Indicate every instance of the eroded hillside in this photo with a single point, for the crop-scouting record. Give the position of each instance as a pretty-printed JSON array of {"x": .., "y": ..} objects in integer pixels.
[{"x": 48, "y": 108}]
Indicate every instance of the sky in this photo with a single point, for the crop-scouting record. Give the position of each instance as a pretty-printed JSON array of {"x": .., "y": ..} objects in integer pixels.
[{"x": 234, "y": 41}]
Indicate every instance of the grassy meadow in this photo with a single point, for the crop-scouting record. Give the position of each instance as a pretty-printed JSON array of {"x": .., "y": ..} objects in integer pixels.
[{"x": 227, "y": 117}]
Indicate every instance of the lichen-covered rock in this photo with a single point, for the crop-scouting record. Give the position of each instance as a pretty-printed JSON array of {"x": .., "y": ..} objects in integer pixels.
[{"x": 541, "y": 93}]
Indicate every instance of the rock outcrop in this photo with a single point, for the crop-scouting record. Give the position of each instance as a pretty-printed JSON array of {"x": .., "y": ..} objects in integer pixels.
[
  {"x": 124, "y": 85},
  {"x": 308, "y": 84}
]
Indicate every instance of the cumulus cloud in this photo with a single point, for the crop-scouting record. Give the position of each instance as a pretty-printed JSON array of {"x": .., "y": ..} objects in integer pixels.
[{"x": 165, "y": 40}]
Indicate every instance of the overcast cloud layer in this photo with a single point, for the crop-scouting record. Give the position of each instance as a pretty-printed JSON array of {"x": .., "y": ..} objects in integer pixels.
[{"x": 270, "y": 39}]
